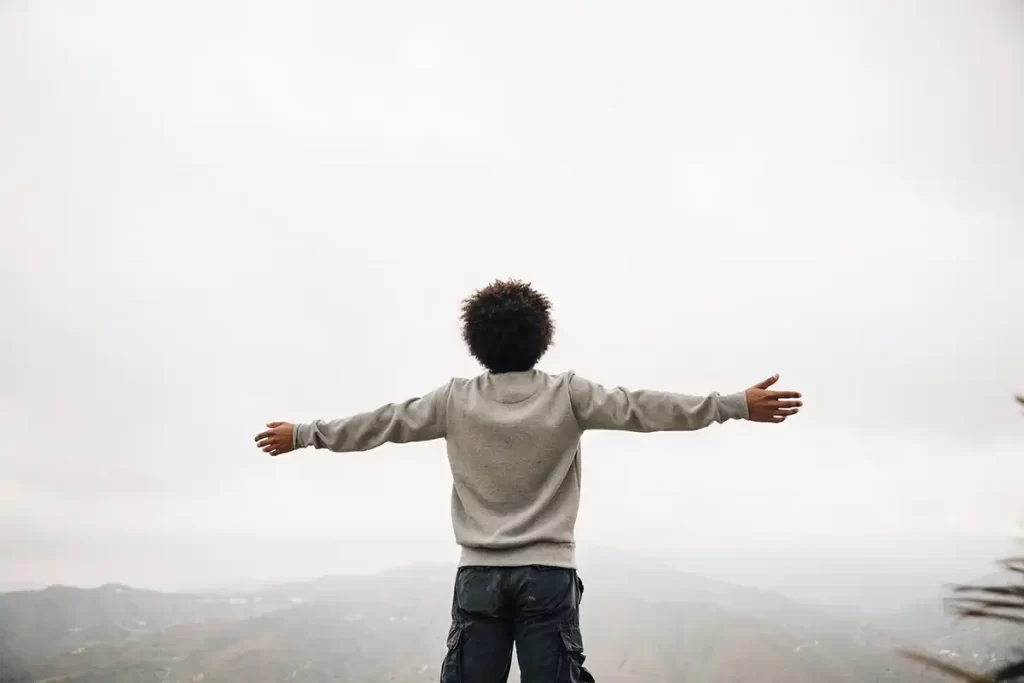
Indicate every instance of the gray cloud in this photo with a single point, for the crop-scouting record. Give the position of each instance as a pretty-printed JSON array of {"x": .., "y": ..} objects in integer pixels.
[{"x": 217, "y": 217}]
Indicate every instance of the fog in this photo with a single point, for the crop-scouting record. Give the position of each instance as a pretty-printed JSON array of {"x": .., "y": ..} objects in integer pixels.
[{"x": 217, "y": 214}]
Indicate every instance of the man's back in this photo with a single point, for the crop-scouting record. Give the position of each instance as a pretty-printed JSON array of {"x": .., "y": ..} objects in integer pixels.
[{"x": 513, "y": 444}]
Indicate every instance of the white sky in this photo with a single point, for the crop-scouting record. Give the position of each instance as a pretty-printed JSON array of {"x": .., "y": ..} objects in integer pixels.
[{"x": 218, "y": 213}]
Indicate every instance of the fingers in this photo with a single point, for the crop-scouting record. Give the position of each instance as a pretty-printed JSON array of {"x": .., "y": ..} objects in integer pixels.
[
  {"x": 272, "y": 447},
  {"x": 769, "y": 418},
  {"x": 784, "y": 394},
  {"x": 779, "y": 415},
  {"x": 768, "y": 382},
  {"x": 266, "y": 434},
  {"x": 772, "y": 405}
]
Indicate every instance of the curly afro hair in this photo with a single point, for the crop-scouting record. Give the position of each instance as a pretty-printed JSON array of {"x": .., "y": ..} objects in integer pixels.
[{"x": 507, "y": 326}]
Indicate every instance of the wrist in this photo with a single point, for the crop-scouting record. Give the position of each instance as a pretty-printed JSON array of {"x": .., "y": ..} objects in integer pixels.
[
  {"x": 735, "y": 406},
  {"x": 301, "y": 434}
]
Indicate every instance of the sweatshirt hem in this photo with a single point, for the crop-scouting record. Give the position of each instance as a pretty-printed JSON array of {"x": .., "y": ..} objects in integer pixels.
[{"x": 544, "y": 554}]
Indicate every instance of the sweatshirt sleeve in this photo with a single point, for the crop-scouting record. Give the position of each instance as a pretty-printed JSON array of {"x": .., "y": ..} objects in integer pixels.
[
  {"x": 417, "y": 419},
  {"x": 643, "y": 410}
]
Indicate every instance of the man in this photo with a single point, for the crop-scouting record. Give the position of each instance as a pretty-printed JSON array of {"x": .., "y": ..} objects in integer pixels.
[{"x": 513, "y": 441}]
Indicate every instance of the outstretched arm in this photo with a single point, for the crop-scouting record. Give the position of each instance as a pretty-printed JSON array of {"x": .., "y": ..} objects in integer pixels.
[
  {"x": 418, "y": 419},
  {"x": 653, "y": 411}
]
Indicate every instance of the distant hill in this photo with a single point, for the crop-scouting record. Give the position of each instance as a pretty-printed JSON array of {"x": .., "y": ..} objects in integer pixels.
[
  {"x": 36, "y": 626},
  {"x": 642, "y": 622}
]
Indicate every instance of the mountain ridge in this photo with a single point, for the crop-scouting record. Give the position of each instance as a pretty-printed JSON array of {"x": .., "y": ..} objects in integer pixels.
[{"x": 643, "y": 621}]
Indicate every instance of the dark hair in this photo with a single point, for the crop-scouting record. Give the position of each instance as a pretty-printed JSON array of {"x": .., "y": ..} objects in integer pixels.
[{"x": 507, "y": 326}]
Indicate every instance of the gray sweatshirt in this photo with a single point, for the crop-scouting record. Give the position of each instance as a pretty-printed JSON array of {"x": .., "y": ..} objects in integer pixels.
[{"x": 514, "y": 448}]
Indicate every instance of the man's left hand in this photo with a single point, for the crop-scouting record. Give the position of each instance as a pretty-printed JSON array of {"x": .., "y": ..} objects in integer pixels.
[{"x": 278, "y": 439}]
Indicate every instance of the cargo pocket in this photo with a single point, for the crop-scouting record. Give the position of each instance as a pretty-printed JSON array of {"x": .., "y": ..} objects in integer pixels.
[
  {"x": 571, "y": 669},
  {"x": 451, "y": 668}
]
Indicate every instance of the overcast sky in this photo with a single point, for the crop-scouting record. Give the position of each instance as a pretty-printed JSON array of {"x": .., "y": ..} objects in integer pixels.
[{"x": 217, "y": 214}]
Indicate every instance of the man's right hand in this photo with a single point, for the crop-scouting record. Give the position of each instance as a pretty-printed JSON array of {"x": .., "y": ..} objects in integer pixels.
[{"x": 771, "y": 406}]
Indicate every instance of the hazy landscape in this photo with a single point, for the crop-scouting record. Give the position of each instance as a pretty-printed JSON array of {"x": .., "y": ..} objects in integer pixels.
[{"x": 643, "y": 621}]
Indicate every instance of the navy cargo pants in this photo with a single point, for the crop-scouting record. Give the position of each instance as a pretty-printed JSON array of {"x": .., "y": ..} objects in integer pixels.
[{"x": 537, "y": 608}]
